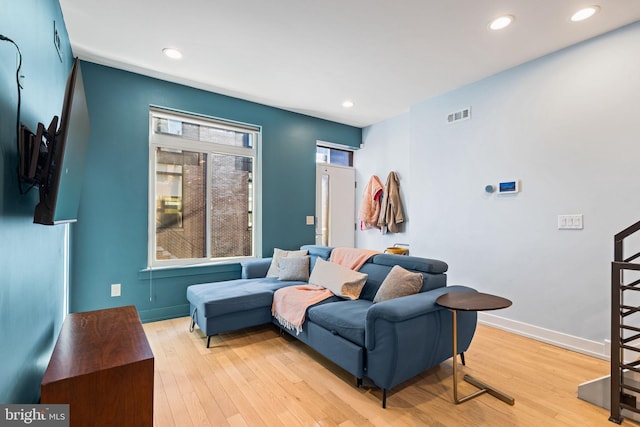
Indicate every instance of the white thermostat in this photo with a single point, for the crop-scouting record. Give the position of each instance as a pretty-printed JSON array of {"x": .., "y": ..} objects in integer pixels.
[{"x": 509, "y": 187}]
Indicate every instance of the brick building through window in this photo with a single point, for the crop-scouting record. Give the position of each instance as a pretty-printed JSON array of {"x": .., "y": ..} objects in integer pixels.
[{"x": 203, "y": 173}]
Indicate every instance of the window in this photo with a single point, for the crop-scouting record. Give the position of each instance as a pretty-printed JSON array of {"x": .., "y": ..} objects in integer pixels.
[
  {"x": 334, "y": 156},
  {"x": 203, "y": 180}
]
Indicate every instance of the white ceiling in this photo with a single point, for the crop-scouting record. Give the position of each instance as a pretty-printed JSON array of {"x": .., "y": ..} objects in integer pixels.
[{"x": 308, "y": 56}]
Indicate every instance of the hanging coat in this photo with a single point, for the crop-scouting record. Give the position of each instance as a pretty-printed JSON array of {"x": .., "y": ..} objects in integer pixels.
[
  {"x": 370, "y": 205},
  {"x": 391, "y": 208}
]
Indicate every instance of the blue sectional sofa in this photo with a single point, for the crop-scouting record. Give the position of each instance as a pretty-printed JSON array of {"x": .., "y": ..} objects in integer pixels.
[{"x": 387, "y": 342}]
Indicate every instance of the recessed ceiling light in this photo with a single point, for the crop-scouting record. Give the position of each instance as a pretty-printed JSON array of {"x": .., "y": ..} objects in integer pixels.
[
  {"x": 501, "y": 22},
  {"x": 585, "y": 13},
  {"x": 172, "y": 53},
  {"x": 347, "y": 103}
]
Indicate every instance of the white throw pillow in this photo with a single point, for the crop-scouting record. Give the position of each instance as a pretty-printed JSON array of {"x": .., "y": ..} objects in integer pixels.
[
  {"x": 274, "y": 268},
  {"x": 340, "y": 280}
]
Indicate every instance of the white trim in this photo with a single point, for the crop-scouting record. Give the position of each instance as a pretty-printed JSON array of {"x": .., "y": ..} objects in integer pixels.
[
  {"x": 559, "y": 339},
  {"x": 257, "y": 198},
  {"x": 151, "y": 200},
  {"x": 170, "y": 113},
  {"x": 65, "y": 275},
  {"x": 336, "y": 145},
  {"x": 333, "y": 165}
]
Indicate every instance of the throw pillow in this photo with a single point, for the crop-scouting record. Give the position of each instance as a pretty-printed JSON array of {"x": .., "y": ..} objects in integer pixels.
[
  {"x": 398, "y": 283},
  {"x": 340, "y": 280},
  {"x": 294, "y": 268},
  {"x": 274, "y": 268}
]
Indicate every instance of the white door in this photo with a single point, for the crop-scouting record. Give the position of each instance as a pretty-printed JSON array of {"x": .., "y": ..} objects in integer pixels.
[{"x": 335, "y": 205}]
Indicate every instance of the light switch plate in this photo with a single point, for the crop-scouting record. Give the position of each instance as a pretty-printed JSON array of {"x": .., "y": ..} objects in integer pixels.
[
  {"x": 115, "y": 290},
  {"x": 570, "y": 222}
]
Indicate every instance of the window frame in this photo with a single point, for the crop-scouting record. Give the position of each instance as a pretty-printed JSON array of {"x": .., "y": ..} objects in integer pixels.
[
  {"x": 331, "y": 146},
  {"x": 177, "y": 142}
]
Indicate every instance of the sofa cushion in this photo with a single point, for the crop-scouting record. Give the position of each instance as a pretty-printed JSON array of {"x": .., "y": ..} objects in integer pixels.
[
  {"x": 398, "y": 283},
  {"x": 228, "y": 300},
  {"x": 215, "y": 299},
  {"x": 315, "y": 252},
  {"x": 294, "y": 268},
  {"x": 344, "y": 318},
  {"x": 376, "y": 274},
  {"x": 255, "y": 268},
  {"x": 339, "y": 279},
  {"x": 274, "y": 269},
  {"x": 424, "y": 265},
  {"x": 379, "y": 266}
]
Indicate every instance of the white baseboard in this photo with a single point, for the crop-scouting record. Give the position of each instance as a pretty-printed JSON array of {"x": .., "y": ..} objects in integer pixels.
[{"x": 559, "y": 339}]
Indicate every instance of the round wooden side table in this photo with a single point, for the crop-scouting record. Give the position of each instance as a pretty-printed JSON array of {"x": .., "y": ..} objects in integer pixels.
[{"x": 472, "y": 301}]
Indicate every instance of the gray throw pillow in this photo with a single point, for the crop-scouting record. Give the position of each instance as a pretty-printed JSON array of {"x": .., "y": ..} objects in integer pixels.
[
  {"x": 398, "y": 283},
  {"x": 278, "y": 254},
  {"x": 295, "y": 268}
]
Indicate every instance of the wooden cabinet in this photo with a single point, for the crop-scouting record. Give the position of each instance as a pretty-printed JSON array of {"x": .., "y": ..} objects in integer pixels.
[{"x": 102, "y": 366}]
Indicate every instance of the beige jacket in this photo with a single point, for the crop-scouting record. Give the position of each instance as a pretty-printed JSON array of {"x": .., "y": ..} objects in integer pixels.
[{"x": 391, "y": 209}]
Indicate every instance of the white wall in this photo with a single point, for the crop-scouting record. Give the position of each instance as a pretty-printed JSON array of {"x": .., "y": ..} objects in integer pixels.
[
  {"x": 568, "y": 126},
  {"x": 385, "y": 149}
]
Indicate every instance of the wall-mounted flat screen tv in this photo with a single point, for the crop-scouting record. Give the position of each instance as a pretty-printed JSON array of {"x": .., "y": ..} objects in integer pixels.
[{"x": 63, "y": 156}]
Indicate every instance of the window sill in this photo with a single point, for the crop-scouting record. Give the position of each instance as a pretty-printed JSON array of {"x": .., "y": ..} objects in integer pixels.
[{"x": 189, "y": 270}]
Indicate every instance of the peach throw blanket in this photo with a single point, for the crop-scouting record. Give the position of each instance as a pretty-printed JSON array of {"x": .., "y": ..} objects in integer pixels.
[
  {"x": 352, "y": 258},
  {"x": 290, "y": 304}
]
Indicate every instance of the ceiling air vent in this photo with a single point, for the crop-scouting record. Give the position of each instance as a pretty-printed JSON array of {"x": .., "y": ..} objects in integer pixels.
[{"x": 457, "y": 116}]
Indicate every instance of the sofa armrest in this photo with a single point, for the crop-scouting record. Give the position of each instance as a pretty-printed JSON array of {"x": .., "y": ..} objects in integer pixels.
[
  {"x": 407, "y": 335},
  {"x": 255, "y": 268},
  {"x": 405, "y": 308}
]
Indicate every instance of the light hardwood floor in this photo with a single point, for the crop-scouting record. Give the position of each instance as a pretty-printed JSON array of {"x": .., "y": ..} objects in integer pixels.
[{"x": 257, "y": 377}]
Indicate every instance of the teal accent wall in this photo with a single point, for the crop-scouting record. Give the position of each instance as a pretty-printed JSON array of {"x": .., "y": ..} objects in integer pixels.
[
  {"x": 110, "y": 239},
  {"x": 31, "y": 256}
]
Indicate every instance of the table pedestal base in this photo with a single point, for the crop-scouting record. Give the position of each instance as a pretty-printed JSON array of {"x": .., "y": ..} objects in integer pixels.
[{"x": 484, "y": 387}]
